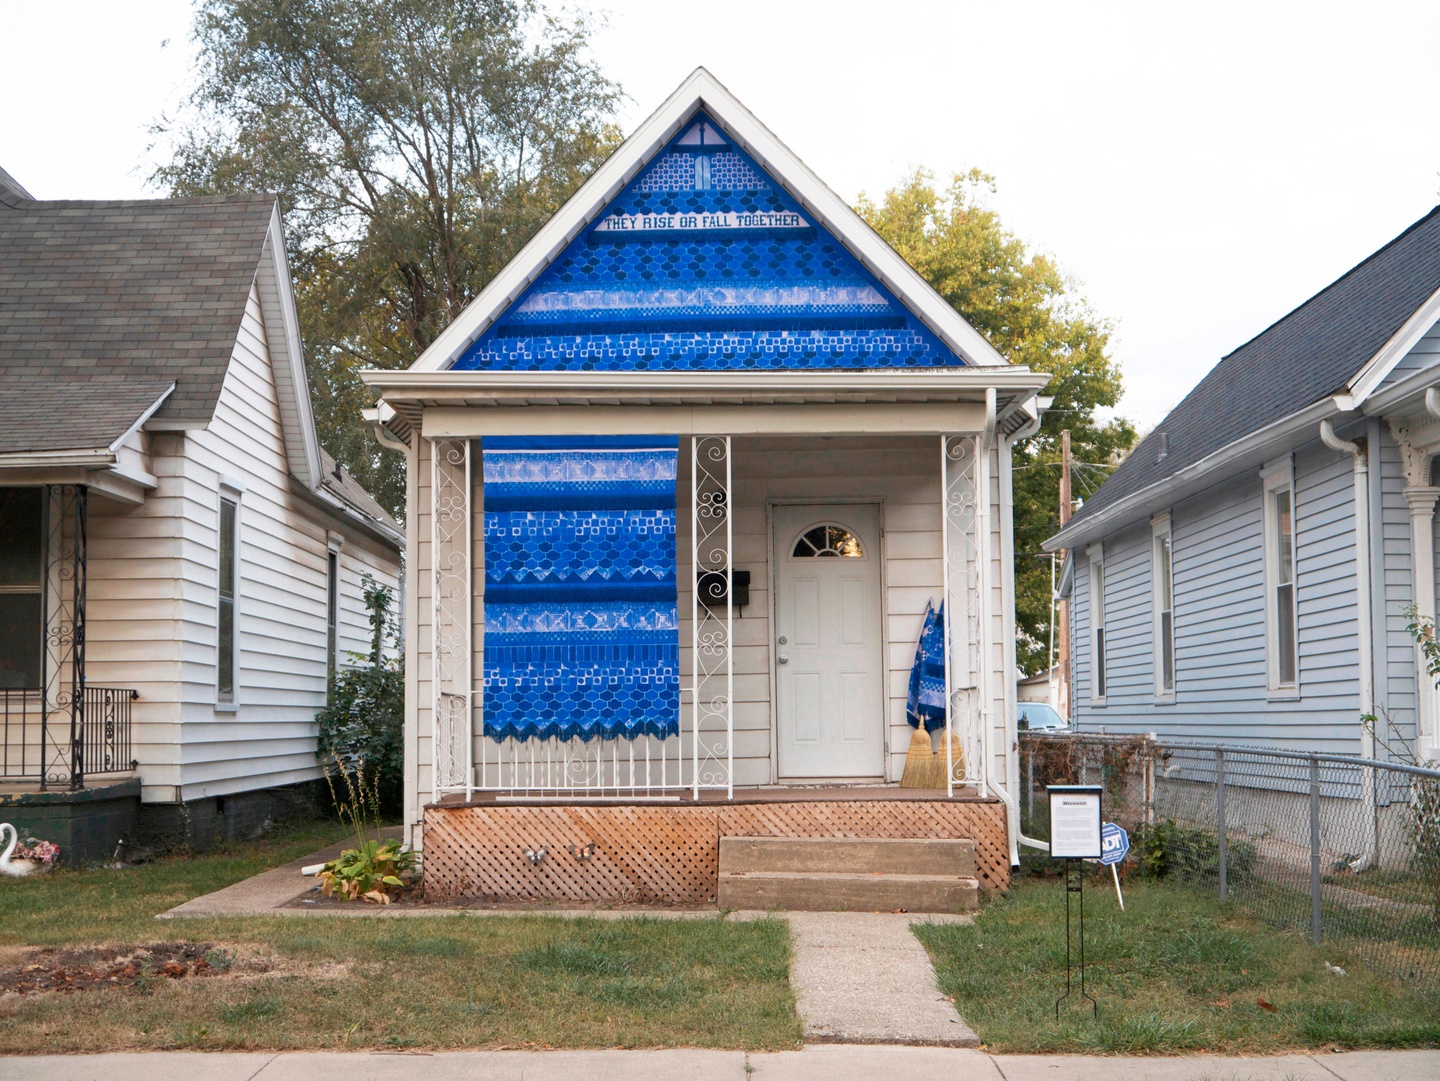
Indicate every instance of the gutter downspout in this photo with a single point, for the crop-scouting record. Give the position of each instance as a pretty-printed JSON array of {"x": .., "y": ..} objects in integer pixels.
[
  {"x": 987, "y": 701},
  {"x": 1007, "y": 503},
  {"x": 1363, "y": 600},
  {"x": 385, "y": 439}
]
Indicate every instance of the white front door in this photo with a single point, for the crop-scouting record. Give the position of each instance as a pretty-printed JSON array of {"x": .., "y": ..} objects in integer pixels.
[{"x": 830, "y": 708}]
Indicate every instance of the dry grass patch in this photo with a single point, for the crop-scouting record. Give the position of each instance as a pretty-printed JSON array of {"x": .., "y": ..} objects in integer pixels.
[{"x": 433, "y": 982}]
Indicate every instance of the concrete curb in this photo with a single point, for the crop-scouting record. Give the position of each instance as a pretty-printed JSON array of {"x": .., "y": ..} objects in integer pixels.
[{"x": 823, "y": 1063}]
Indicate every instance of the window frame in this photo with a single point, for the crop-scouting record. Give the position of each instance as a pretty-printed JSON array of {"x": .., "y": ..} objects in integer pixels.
[
  {"x": 1099, "y": 670},
  {"x": 231, "y": 493},
  {"x": 1162, "y": 569},
  {"x": 1277, "y": 477},
  {"x": 334, "y": 571},
  {"x": 38, "y": 588}
]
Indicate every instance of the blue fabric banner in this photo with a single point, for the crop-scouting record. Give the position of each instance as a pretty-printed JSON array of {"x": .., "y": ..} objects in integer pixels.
[
  {"x": 926, "y": 704},
  {"x": 582, "y": 633}
]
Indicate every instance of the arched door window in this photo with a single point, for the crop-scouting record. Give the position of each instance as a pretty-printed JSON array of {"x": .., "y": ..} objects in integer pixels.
[{"x": 827, "y": 540}]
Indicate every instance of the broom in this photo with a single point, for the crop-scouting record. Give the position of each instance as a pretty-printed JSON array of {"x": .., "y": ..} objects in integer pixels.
[{"x": 923, "y": 768}]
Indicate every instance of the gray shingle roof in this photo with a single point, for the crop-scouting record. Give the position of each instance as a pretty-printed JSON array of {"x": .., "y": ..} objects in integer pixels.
[
  {"x": 1309, "y": 354},
  {"x": 77, "y": 412},
  {"x": 339, "y": 483},
  {"x": 151, "y": 290}
]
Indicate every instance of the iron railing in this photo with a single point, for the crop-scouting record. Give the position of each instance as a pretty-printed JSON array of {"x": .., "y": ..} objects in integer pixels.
[
  {"x": 98, "y": 743},
  {"x": 1344, "y": 850}
]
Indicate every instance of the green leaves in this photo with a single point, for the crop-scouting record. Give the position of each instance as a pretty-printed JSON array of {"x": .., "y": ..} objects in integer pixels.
[
  {"x": 1034, "y": 315},
  {"x": 415, "y": 145},
  {"x": 370, "y": 872}
]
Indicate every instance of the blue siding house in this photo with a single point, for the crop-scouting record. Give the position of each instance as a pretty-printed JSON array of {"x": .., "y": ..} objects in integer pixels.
[{"x": 1244, "y": 575}]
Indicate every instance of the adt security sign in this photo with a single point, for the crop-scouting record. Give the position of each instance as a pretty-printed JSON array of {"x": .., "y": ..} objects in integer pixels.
[{"x": 1114, "y": 844}]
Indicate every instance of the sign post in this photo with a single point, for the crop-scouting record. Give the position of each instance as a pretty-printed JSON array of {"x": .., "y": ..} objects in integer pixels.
[
  {"x": 1075, "y": 835},
  {"x": 1115, "y": 845}
]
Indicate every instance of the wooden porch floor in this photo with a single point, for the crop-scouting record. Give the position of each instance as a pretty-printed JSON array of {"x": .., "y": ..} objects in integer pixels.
[{"x": 755, "y": 795}]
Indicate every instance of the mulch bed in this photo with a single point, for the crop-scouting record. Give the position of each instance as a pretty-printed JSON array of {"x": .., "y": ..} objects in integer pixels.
[{"x": 55, "y": 969}]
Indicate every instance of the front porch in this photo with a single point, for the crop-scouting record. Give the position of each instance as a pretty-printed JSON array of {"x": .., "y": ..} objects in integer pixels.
[{"x": 56, "y": 729}]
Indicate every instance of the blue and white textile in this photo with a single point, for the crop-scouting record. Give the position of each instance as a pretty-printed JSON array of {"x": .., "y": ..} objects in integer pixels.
[
  {"x": 926, "y": 704},
  {"x": 581, "y": 628}
]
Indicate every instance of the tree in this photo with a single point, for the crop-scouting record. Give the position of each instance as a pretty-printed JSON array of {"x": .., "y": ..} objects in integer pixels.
[
  {"x": 1033, "y": 315},
  {"x": 415, "y": 145}
]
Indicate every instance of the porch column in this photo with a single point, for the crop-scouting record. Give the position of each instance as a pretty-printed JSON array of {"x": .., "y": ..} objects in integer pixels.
[
  {"x": 62, "y": 705},
  {"x": 1422, "y": 543},
  {"x": 453, "y": 617},
  {"x": 962, "y": 485},
  {"x": 712, "y": 634}
]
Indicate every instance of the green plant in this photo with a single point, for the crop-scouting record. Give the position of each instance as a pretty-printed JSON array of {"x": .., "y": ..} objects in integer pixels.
[
  {"x": 371, "y": 872},
  {"x": 1191, "y": 855},
  {"x": 1423, "y": 820},
  {"x": 362, "y": 724}
]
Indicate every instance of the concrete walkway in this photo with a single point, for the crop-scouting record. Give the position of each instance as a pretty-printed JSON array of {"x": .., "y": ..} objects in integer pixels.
[
  {"x": 268, "y": 891},
  {"x": 820, "y": 1063},
  {"x": 864, "y": 978}
]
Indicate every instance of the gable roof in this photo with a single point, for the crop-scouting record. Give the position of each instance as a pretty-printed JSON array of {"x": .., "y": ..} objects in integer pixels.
[
  {"x": 336, "y": 480},
  {"x": 154, "y": 289},
  {"x": 727, "y": 119},
  {"x": 1323, "y": 348},
  {"x": 705, "y": 263}
]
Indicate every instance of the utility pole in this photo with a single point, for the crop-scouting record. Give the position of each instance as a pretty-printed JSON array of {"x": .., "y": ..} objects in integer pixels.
[{"x": 1066, "y": 503}]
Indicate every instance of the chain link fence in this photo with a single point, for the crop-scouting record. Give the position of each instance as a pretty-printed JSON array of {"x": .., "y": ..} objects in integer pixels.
[{"x": 1344, "y": 850}]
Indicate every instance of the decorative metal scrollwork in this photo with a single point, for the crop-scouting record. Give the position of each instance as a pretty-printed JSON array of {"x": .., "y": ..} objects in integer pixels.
[{"x": 453, "y": 619}]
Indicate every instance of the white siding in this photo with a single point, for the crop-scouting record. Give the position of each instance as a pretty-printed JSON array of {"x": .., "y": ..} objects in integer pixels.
[{"x": 269, "y": 738}]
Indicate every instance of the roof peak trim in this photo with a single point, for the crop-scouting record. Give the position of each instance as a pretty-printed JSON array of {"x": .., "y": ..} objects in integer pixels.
[{"x": 702, "y": 91}]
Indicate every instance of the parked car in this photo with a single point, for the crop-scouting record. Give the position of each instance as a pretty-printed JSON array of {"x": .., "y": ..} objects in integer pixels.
[{"x": 1039, "y": 717}]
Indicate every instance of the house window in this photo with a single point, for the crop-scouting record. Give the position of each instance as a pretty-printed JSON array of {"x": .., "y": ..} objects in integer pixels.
[
  {"x": 1281, "y": 641},
  {"x": 1164, "y": 599},
  {"x": 1097, "y": 624},
  {"x": 332, "y": 617},
  {"x": 225, "y": 616},
  {"x": 22, "y": 575},
  {"x": 828, "y": 540}
]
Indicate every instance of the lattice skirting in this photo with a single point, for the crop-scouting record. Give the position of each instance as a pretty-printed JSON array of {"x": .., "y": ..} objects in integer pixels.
[{"x": 665, "y": 855}]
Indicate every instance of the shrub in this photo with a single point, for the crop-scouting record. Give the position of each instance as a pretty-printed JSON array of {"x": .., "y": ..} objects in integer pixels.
[
  {"x": 1190, "y": 855},
  {"x": 362, "y": 726},
  {"x": 368, "y": 873}
]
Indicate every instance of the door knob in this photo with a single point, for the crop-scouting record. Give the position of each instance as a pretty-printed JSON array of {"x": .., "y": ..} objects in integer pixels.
[{"x": 782, "y": 659}]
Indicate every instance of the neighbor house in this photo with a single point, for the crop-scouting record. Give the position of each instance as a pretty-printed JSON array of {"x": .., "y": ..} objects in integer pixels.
[
  {"x": 180, "y": 561},
  {"x": 683, "y": 480},
  {"x": 1244, "y": 575}
]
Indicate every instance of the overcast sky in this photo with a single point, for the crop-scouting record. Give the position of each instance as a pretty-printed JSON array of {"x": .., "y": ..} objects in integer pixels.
[{"x": 1198, "y": 169}]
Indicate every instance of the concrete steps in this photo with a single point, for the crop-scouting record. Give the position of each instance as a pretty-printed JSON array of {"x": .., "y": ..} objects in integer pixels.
[{"x": 823, "y": 874}]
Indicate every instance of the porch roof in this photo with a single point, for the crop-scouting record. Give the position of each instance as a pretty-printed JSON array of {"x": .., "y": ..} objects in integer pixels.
[{"x": 706, "y": 398}]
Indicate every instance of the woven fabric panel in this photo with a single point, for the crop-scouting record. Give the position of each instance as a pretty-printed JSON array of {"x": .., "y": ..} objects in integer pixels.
[
  {"x": 581, "y": 627},
  {"x": 705, "y": 263}
]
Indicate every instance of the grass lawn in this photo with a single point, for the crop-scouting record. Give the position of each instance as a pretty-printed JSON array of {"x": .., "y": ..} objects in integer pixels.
[
  {"x": 427, "y": 982},
  {"x": 1176, "y": 972}
]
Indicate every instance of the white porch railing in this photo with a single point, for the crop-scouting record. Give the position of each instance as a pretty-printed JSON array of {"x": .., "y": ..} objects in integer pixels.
[{"x": 698, "y": 757}]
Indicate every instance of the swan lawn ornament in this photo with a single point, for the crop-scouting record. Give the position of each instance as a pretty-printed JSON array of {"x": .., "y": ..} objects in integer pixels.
[{"x": 24, "y": 865}]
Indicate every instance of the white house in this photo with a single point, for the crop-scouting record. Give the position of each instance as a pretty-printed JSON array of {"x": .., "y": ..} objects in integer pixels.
[
  {"x": 180, "y": 561},
  {"x": 683, "y": 479}
]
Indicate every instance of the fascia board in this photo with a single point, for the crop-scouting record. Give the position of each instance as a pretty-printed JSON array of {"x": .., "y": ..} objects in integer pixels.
[
  {"x": 400, "y": 385},
  {"x": 142, "y": 418},
  {"x": 1397, "y": 398},
  {"x": 1368, "y": 379},
  {"x": 95, "y": 458},
  {"x": 703, "y": 90},
  {"x": 304, "y": 460},
  {"x": 1256, "y": 448}
]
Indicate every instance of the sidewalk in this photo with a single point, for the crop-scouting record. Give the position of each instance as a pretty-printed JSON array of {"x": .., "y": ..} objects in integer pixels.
[{"x": 824, "y": 1063}]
